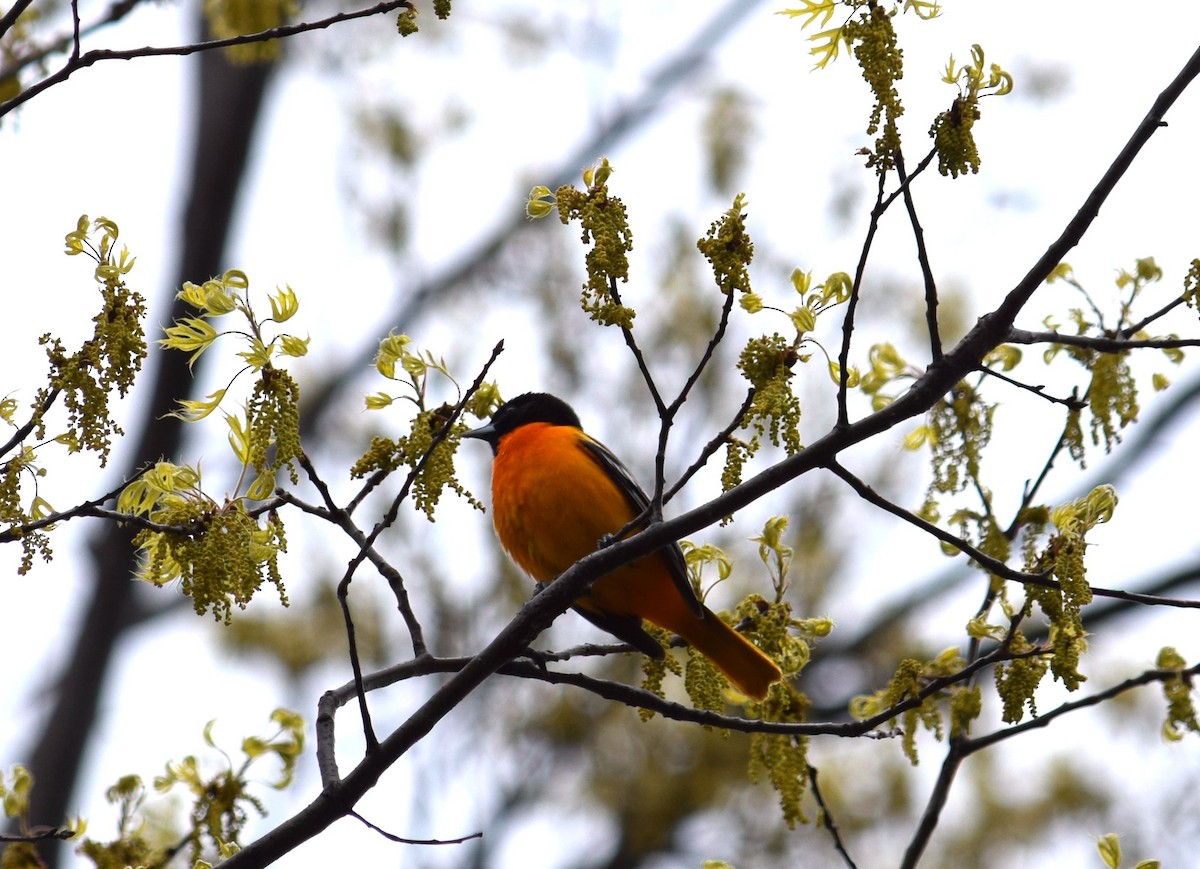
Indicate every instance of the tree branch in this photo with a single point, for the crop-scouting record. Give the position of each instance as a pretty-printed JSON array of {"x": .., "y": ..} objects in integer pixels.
[
  {"x": 1099, "y": 343},
  {"x": 81, "y": 61}
]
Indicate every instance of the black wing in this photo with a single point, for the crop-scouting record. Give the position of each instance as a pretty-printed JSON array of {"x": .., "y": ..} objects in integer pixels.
[
  {"x": 639, "y": 501},
  {"x": 626, "y": 628}
]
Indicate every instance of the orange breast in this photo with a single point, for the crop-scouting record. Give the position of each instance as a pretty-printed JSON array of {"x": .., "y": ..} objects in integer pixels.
[{"x": 551, "y": 502}]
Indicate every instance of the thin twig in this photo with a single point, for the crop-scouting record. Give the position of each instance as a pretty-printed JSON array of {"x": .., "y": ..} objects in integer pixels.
[
  {"x": 1133, "y": 329},
  {"x": 74, "y": 31},
  {"x": 372, "y": 741},
  {"x": 403, "y": 841},
  {"x": 852, "y": 307},
  {"x": 631, "y": 342},
  {"x": 993, "y": 565},
  {"x": 1071, "y": 402},
  {"x": 369, "y": 485},
  {"x": 827, "y": 820},
  {"x": 41, "y": 835},
  {"x": 907, "y": 182},
  {"x": 931, "y": 294},
  {"x": 707, "y": 356},
  {"x": 638, "y": 698},
  {"x": 668, "y": 418},
  {"x": 1031, "y": 489},
  {"x": 92, "y": 509},
  {"x": 367, "y": 546},
  {"x": 712, "y": 446}
]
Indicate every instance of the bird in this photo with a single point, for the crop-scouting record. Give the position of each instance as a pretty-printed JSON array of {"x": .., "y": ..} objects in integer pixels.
[{"x": 557, "y": 493}]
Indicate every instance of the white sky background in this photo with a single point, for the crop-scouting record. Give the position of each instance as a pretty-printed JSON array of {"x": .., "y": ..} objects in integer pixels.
[{"x": 110, "y": 142}]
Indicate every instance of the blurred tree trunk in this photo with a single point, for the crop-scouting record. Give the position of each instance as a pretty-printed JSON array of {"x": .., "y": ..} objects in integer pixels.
[{"x": 228, "y": 102}]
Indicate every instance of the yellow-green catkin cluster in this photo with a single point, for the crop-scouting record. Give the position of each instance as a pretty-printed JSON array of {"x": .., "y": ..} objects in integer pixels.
[
  {"x": 911, "y": 683},
  {"x": 774, "y": 412},
  {"x": 654, "y": 671},
  {"x": 703, "y": 682},
  {"x": 13, "y": 510},
  {"x": 109, "y": 361},
  {"x": 728, "y": 249},
  {"x": 605, "y": 226},
  {"x": 783, "y": 759},
  {"x": 1062, "y": 559},
  {"x": 960, "y": 428},
  {"x": 1181, "y": 709},
  {"x": 221, "y": 801},
  {"x": 953, "y": 138},
  {"x": 436, "y": 474},
  {"x": 82, "y": 382},
  {"x": 767, "y": 362},
  {"x": 430, "y": 459},
  {"x": 222, "y": 558},
  {"x": 1191, "y": 285},
  {"x": 273, "y": 424},
  {"x": 872, "y": 38},
  {"x": 229, "y": 18},
  {"x": 1017, "y": 680},
  {"x": 406, "y": 21},
  {"x": 1112, "y": 398},
  {"x": 1112, "y": 394},
  {"x": 220, "y": 554},
  {"x": 952, "y": 131}
]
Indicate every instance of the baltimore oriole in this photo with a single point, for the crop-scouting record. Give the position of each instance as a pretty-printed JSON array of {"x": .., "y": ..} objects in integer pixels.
[{"x": 556, "y": 493}]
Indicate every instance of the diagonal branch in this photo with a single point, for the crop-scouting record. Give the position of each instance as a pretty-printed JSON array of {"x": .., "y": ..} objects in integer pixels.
[{"x": 10, "y": 17}]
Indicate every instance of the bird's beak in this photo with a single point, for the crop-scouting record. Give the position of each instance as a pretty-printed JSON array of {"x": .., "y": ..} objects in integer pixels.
[{"x": 483, "y": 433}]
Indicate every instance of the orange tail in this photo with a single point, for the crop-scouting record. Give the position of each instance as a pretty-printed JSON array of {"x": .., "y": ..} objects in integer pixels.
[{"x": 745, "y": 665}]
